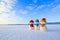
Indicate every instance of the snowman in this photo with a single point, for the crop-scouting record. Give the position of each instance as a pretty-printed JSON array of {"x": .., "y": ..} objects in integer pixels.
[
  {"x": 31, "y": 25},
  {"x": 43, "y": 25},
  {"x": 37, "y": 24}
]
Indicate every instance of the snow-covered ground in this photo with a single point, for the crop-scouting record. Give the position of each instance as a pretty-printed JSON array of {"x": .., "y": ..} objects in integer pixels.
[{"x": 22, "y": 32}]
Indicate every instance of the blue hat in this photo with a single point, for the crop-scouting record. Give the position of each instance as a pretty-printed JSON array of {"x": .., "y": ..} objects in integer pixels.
[{"x": 37, "y": 20}]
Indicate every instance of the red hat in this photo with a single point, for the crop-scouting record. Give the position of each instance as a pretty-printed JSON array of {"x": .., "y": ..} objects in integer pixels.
[{"x": 32, "y": 21}]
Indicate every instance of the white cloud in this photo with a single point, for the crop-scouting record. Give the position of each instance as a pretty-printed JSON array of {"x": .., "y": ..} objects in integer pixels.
[
  {"x": 3, "y": 8},
  {"x": 29, "y": 7},
  {"x": 55, "y": 2},
  {"x": 56, "y": 9},
  {"x": 35, "y": 1},
  {"x": 7, "y": 14},
  {"x": 23, "y": 11},
  {"x": 40, "y": 7},
  {"x": 54, "y": 14},
  {"x": 8, "y": 18},
  {"x": 6, "y": 5}
]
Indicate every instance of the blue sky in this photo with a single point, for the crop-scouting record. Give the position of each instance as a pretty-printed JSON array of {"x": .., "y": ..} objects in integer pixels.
[{"x": 21, "y": 11}]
